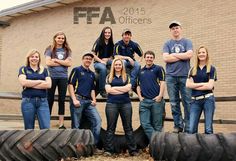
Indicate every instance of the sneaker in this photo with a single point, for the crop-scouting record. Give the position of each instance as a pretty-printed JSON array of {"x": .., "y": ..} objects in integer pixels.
[
  {"x": 98, "y": 151},
  {"x": 177, "y": 130},
  {"x": 107, "y": 154},
  {"x": 103, "y": 94},
  {"x": 62, "y": 127},
  {"x": 134, "y": 153}
]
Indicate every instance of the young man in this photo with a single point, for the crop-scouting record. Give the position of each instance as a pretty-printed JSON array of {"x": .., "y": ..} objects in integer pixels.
[
  {"x": 177, "y": 53},
  {"x": 83, "y": 100},
  {"x": 150, "y": 90},
  {"x": 125, "y": 50}
]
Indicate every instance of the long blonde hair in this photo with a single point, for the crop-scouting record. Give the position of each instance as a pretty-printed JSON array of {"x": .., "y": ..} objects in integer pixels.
[
  {"x": 112, "y": 71},
  {"x": 29, "y": 54},
  {"x": 196, "y": 61}
]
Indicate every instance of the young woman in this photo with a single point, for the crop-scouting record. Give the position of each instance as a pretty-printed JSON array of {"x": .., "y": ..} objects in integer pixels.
[
  {"x": 103, "y": 51},
  {"x": 58, "y": 59},
  {"x": 118, "y": 103},
  {"x": 201, "y": 80},
  {"x": 35, "y": 82}
]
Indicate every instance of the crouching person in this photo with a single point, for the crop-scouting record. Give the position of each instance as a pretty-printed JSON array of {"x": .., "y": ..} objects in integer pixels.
[
  {"x": 150, "y": 90},
  {"x": 83, "y": 101}
]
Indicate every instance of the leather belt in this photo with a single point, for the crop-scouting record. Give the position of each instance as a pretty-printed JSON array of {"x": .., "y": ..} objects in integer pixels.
[
  {"x": 202, "y": 96},
  {"x": 82, "y": 97}
]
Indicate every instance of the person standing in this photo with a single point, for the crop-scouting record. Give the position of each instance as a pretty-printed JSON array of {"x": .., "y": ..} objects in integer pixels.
[
  {"x": 177, "y": 53},
  {"x": 82, "y": 93},
  {"x": 118, "y": 103},
  {"x": 58, "y": 59},
  {"x": 103, "y": 52},
  {"x": 150, "y": 90},
  {"x": 201, "y": 80},
  {"x": 35, "y": 82},
  {"x": 125, "y": 49}
]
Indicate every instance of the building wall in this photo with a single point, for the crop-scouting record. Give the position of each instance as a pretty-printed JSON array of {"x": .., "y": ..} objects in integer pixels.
[{"x": 207, "y": 22}]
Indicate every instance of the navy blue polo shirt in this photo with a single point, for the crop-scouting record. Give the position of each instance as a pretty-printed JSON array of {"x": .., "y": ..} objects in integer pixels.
[
  {"x": 149, "y": 80},
  {"x": 103, "y": 51},
  {"x": 202, "y": 77},
  {"x": 120, "y": 98},
  {"x": 83, "y": 81},
  {"x": 127, "y": 49},
  {"x": 30, "y": 74}
]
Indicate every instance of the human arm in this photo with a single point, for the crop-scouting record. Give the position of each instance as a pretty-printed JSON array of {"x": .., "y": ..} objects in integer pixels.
[
  {"x": 139, "y": 93},
  {"x": 28, "y": 83},
  {"x": 44, "y": 84},
  {"x": 111, "y": 90},
  {"x": 67, "y": 62},
  {"x": 123, "y": 89},
  {"x": 72, "y": 95},
  {"x": 93, "y": 96},
  {"x": 161, "y": 93},
  {"x": 184, "y": 56}
]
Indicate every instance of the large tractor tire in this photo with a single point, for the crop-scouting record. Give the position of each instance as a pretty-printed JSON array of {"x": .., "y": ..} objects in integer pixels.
[
  {"x": 45, "y": 145},
  {"x": 193, "y": 147}
]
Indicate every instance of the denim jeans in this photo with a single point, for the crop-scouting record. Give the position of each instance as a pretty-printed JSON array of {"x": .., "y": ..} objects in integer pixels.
[
  {"x": 207, "y": 105},
  {"x": 134, "y": 72},
  {"x": 62, "y": 88},
  {"x": 113, "y": 111},
  {"x": 102, "y": 70},
  {"x": 32, "y": 107},
  {"x": 150, "y": 113},
  {"x": 176, "y": 87},
  {"x": 90, "y": 112}
]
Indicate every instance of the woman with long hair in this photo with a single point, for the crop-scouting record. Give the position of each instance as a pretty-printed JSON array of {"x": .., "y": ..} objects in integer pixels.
[
  {"x": 103, "y": 51},
  {"x": 201, "y": 80},
  {"x": 35, "y": 82},
  {"x": 118, "y": 103},
  {"x": 58, "y": 59}
]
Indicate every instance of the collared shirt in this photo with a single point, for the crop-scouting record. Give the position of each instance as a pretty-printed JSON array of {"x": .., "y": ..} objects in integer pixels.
[
  {"x": 149, "y": 80},
  {"x": 181, "y": 67},
  {"x": 105, "y": 51},
  {"x": 30, "y": 74},
  {"x": 202, "y": 77},
  {"x": 127, "y": 49},
  {"x": 58, "y": 71},
  {"x": 119, "y": 98},
  {"x": 83, "y": 81}
]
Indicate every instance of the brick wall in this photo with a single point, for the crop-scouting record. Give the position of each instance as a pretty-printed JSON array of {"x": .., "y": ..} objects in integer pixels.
[{"x": 205, "y": 22}]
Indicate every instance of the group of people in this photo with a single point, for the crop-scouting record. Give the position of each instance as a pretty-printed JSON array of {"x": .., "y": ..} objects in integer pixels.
[{"x": 111, "y": 61}]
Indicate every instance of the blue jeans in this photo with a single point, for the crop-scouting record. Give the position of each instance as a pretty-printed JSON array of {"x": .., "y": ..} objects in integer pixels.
[
  {"x": 113, "y": 111},
  {"x": 102, "y": 70},
  {"x": 207, "y": 105},
  {"x": 90, "y": 112},
  {"x": 134, "y": 72},
  {"x": 150, "y": 113},
  {"x": 32, "y": 107},
  {"x": 176, "y": 87}
]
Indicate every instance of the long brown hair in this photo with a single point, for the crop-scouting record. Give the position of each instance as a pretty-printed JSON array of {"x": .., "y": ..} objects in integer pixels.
[
  {"x": 196, "y": 61},
  {"x": 65, "y": 45},
  {"x": 112, "y": 71}
]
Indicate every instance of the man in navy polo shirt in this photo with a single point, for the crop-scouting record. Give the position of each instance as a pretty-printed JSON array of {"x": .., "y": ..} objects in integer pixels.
[
  {"x": 125, "y": 49},
  {"x": 150, "y": 90},
  {"x": 83, "y": 100},
  {"x": 177, "y": 53}
]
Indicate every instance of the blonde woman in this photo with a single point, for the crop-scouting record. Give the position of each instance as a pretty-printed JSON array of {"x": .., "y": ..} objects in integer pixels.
[
  {"x": 118, "y": 103},
  {"x": 35, "y": 82},
  {"x": 58, "y": 59},
  {"x": 201, "y": 80}
]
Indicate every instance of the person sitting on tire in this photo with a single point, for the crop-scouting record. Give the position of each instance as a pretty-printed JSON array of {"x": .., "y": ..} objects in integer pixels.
[
  {"x": 81, "y": 88},
  {"x": 201, "y": 80},
  {"x": 150, "y": 90},
  {"x": 125, "y": 49},
  {"x": 118, "y": 103},
  {"x": 103, "y": 52},
  {"x": 35, "y": 82}
]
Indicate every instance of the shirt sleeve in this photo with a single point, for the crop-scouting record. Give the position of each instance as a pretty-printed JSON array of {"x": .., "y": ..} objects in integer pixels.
[
  {"x": 213, "y": 74},
  {"x": 116, "y": 49},
  {"x": 94, "y": 82},
  {"x": 95, "y": 47},
  {"x": 46, "y": 72},
  {"x": 72, "y": 77},
  {"x": 138, "y": 49},
  {"x": 48, "y": 52},
  {"x": 190, "y": 72},
  {"x": 22, "y": 71},
  {"x": 189, "y": 45},
  {"x": 161, "y": 74},
  {"x": 166, "y": 48}
]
